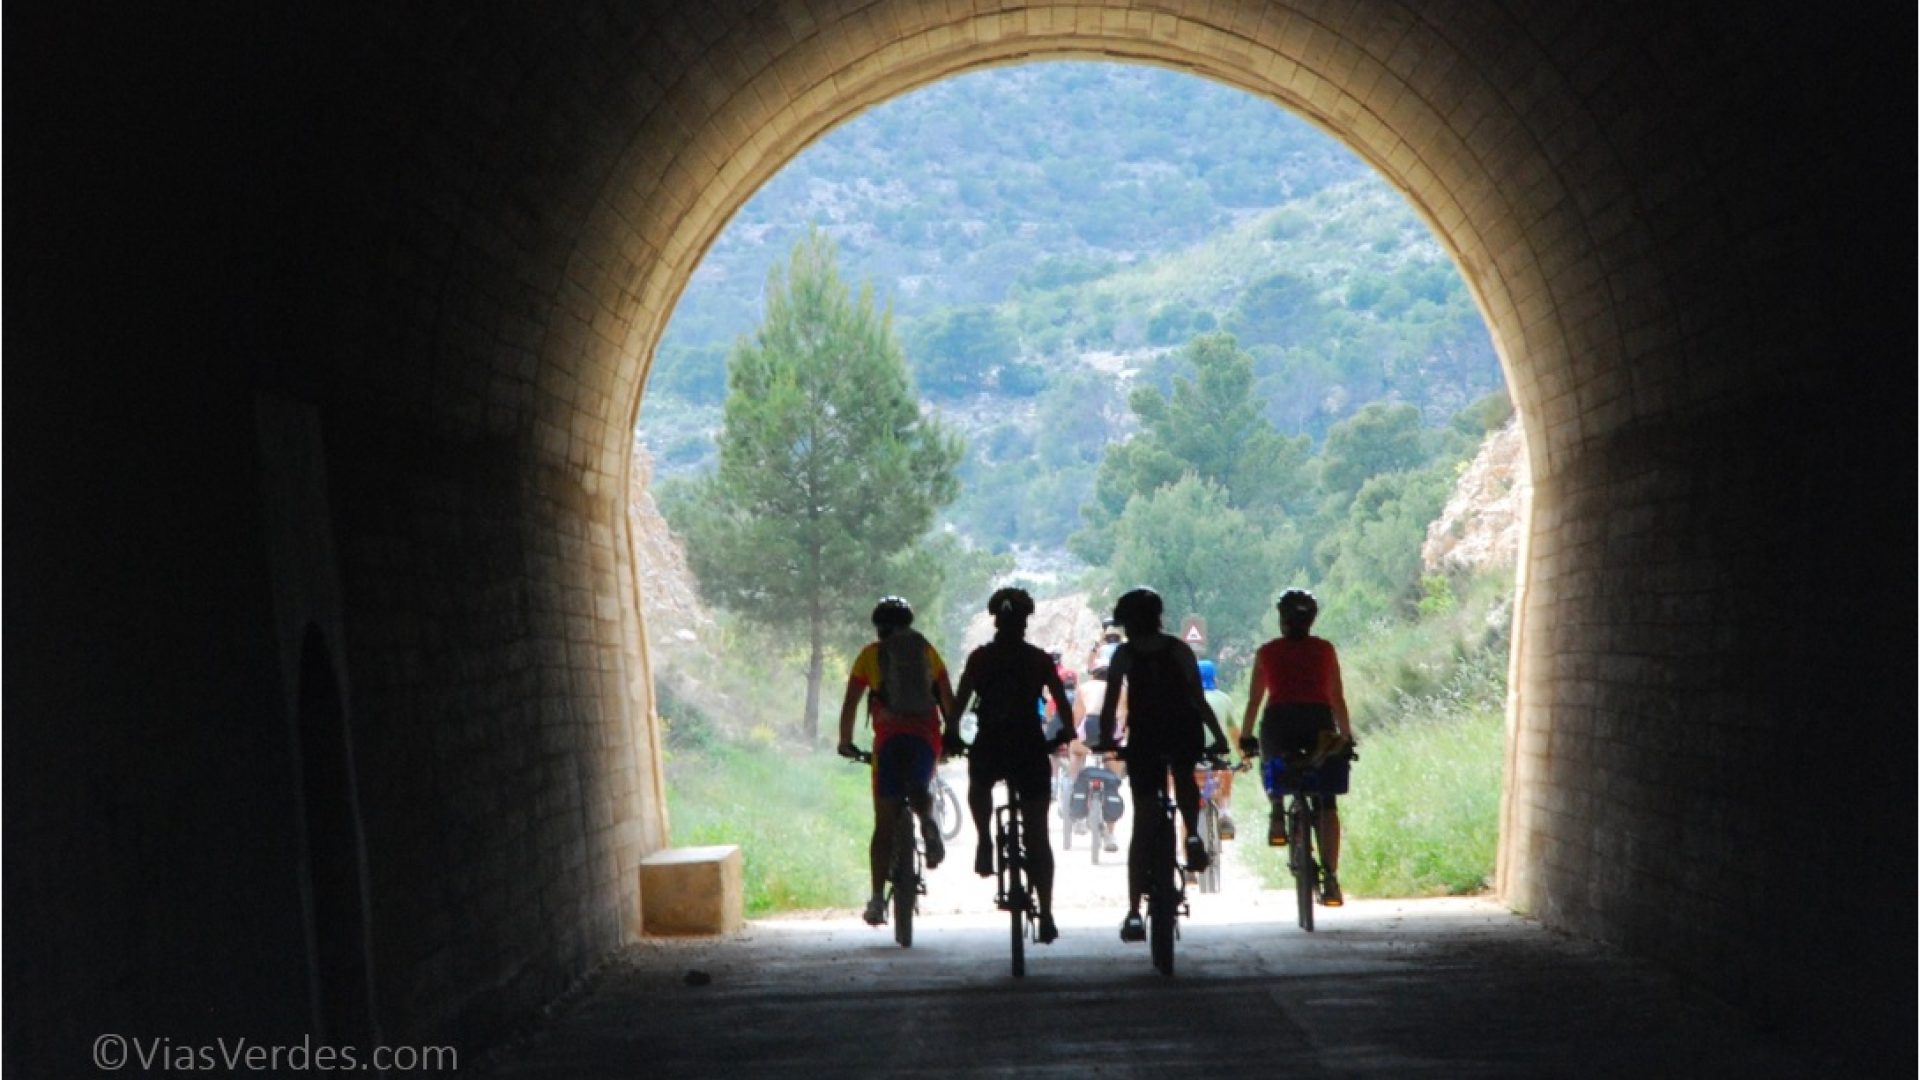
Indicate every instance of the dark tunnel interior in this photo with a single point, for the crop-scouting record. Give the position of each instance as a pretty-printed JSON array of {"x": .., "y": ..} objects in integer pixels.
[{"x": 327, "y": 702}]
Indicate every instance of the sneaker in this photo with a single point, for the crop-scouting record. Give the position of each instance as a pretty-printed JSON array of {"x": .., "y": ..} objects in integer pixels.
[
  {"x": 1197, "y": 857},
  {"x": 1277, "y": 828},
  {"x": 1132, "y": 928},
  {"x": 1048, "y": 931},
  {"x": 1111, "y": 844},
  {"x": 1226, "y": 828},
  {"x": 936, "y": 848},
  {"x": 1330, "y": 890},
  {"x": 983, "y": 859},
  {"x": 876, "y": 913}
]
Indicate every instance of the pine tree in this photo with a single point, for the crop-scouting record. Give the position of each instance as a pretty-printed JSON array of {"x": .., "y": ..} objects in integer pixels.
[{"x": 829, "y": 475}]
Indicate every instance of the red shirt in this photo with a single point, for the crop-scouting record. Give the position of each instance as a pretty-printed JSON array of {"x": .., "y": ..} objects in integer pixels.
[{"x": 1294, "y": 671}]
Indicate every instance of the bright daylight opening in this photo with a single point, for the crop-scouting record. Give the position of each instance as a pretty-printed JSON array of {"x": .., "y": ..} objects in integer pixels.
[{"x": 1088, "y": 326}]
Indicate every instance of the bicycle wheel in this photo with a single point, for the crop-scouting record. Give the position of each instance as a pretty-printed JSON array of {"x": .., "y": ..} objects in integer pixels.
[
  {"x": 1300, "y": 839},
  {"x": 1015, "y": 874},
  {"x": 1016, "y": 920},
  {"x": 906, "y": 879},
  {"x": 1210, "y": 839},
  {"x": 1096, "y": 831},
  {"x": 1162, "y": 900},
  {"x": 946, "y": 809}
]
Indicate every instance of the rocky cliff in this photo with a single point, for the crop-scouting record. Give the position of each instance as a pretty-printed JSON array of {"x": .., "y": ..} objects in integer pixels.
[
  {"x": 1479, "y": 529},
  {"x": 675, "y": 616}
]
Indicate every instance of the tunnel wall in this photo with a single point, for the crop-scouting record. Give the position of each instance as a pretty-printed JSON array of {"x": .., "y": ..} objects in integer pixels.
[{"x": 453, "y": 238}]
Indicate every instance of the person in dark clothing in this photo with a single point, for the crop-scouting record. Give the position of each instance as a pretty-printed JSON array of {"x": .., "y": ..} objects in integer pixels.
[
  {"x": 1167, "y": 712},
  {"x": 1009, "y": 675}
]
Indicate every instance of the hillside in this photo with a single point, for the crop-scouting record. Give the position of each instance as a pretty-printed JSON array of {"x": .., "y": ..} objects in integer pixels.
[{"x": 1050, "y": 235}]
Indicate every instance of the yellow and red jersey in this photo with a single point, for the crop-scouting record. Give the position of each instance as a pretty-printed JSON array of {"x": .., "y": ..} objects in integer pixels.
[{"x": 867, "y": 676}]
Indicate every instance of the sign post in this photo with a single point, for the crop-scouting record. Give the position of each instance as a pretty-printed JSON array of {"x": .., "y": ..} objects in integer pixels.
[{"x": 1193, "y": 631}]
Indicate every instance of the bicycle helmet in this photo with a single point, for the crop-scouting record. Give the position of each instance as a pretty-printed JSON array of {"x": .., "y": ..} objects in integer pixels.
[
  {"x": 1010, "y": 601},
  {"x": 1138, "y": 608},
  {"x": 892, "y": 612},
  {"x": 1206, "y": 675}
]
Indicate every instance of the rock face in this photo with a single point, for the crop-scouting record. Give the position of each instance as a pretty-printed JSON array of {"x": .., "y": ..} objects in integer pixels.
[
  {"x": 675, "y": 615},
  {"x": 1480, "y": 527},
  {"x": 1064, "y": 623}
]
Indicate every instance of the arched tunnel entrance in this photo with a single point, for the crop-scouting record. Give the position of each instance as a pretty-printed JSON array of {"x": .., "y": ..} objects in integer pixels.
[{"x": 460, "y": 238}]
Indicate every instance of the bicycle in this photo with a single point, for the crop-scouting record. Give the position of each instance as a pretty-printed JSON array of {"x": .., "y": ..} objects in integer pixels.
[
  {"x": 946, "y": 808},
  {"x": 1166, "y": 882},
  {"x": 1302, "y": 780},
  {"x": 1063, "y": 798},
  {"x": 906, "y": 878},
  {"x": 1013, "y": 893},
  {"x": 1209, "y": 817},
  {"x": 1099, "y": 829}
]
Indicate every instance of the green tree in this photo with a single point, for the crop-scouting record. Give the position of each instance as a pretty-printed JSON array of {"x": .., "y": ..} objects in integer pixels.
[
  {"x": 1380, "y": 438},
  {"x": 828, "y": 473},
  {"x": 1373, "y": 559},
  {"x": 1213, "y": 426},
  {"x": 1204, "y": 557},
  {"x": 1282, "y": 309}
]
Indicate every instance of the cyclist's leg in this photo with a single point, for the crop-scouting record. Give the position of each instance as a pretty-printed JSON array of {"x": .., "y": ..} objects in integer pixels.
[
  {"x": 1145, "y": 781},
  {"x": 1032, "y": 786},
  {"x": 913, "y": 758},
  {"x": 880, "y": 846},
  {"x": 1329, "y": 833},
  {"x": 980, "y": 779},
  {"x": 1186, "y": 794},
  {"x": 891, "y": 779}
]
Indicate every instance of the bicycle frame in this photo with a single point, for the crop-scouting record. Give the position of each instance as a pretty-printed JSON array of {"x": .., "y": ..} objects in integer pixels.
[
  {"x": 1302, "y": 808},
  {"x": 1013, "y": 892}
]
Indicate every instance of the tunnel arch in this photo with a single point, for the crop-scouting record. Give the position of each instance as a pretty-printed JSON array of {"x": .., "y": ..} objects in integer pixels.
[
  {"x": 1450, "y": 134},
  {"x": 1531, "y": 139},
  {"x": 454, "y": 236}
]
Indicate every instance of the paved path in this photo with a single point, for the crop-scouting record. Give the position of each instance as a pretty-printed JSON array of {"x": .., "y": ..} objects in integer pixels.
[{"x": 1446, "y": 987}]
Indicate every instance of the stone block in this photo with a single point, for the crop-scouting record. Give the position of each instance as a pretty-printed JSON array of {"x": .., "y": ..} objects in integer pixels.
[{"x": 693, "y": 890}]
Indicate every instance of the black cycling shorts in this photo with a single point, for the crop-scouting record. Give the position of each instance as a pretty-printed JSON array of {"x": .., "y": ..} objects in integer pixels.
[{"x": 1018, "y": 757}]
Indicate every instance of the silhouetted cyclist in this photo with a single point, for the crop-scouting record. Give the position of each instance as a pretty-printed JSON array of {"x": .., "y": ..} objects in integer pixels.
[
  {"x": 905, "y": 684},
  {"x": 1167, "y": 714},
  {"x": 1009, "y": 675},
  {"x": 1299, "y": 676}
]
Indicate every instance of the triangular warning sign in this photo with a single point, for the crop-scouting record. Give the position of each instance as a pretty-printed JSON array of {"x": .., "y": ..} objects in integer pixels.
[{"x": 1194, "y": 636}]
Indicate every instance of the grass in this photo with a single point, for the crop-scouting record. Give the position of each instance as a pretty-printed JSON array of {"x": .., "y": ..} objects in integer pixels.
[
  {"x": 801, "y": 819},
  {"x": 1422, "y": 815}
]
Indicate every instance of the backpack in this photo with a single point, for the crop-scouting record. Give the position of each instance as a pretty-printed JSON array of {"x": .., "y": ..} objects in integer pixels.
[
  {"x": 1110, "y": 803},
  {"x": 906, "y": 683}
]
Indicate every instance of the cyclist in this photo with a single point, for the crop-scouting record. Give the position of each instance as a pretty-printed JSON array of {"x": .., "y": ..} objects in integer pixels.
[
  {"x": 1223, "y": 711},
  {"x": 906, "y": 687},
  {"x": 1100, "y": 656},
  {"x": 1009, "y": 675},
  {"x": 1092, "y": 692},
  {"x": 1298, "y": 675},
  {"x": 1166, "y": 710}
]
